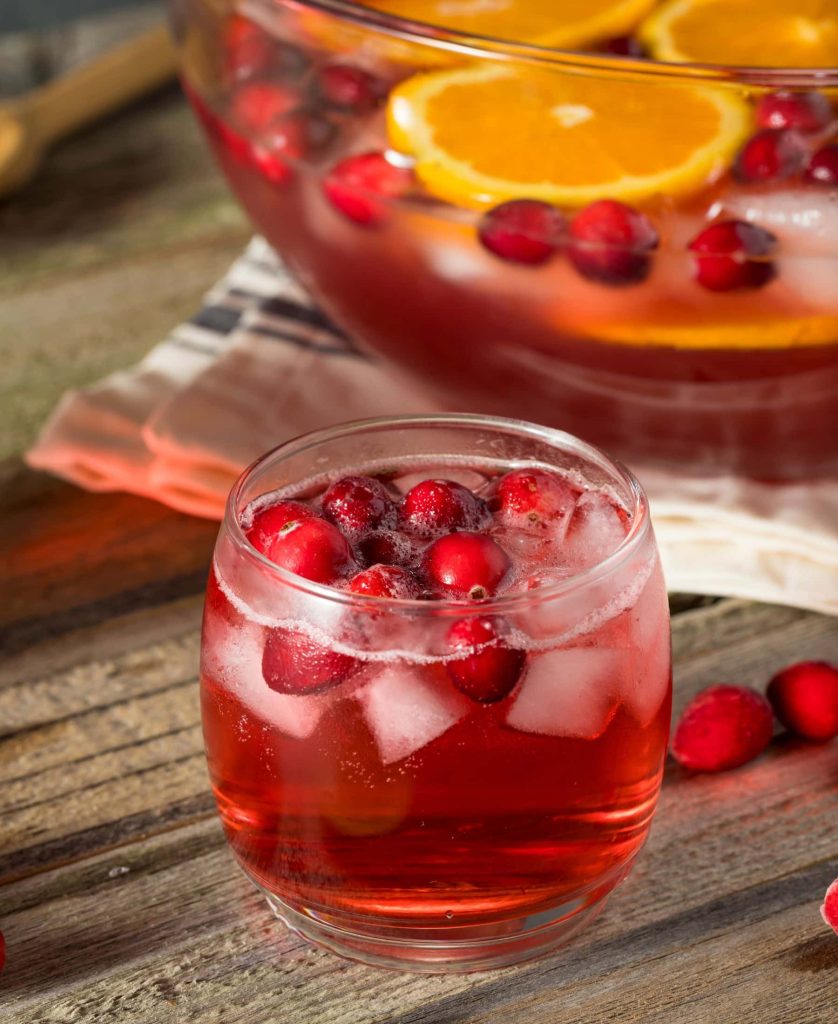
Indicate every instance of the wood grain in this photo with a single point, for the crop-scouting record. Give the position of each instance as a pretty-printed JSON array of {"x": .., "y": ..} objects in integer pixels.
[{"x": 121, "y": 903}]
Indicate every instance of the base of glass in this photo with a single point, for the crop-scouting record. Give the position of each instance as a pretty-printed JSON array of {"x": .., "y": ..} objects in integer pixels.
[{"x": 436, "y": 950}]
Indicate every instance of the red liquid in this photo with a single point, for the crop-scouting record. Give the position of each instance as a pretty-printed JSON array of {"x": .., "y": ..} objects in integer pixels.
[{"x": 529, "y": 342}]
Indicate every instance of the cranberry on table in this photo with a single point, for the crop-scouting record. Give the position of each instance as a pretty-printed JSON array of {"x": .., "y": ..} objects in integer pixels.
[
  {"x": 434, "y": 506},
  {"x": 534, "y": 494},
  {"x": 385, "y": 581},
  {"x": 731, "y": 254},
  {"x": 466, "y": 565},
  {"x": 348, "y": 88},
  {"x": 313, "y": 549},
  {"x": 829, "y": 907},
  {"x": 822, "y": 168},
  {"x": 522, "y": 231},
  {"x": 611, "y": 242},
  {"x": 770, "y": 156},
  {"x": 359, "y": 187},
  {"x": 489, "y": 670},
  {"x": 803, "y": 111},
  {"x": 805, "y": 699},
  {"x": 294, "y": 663},
  {"x": 722, "y": 727}
]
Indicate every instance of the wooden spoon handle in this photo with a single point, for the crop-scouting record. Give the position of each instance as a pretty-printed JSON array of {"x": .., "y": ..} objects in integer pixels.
[{"x": 101, "y": 86}]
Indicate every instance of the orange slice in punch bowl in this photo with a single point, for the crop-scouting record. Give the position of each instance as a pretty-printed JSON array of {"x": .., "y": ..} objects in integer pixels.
[
  {"x": 486, "y": 134},
  {"x": 747, "y": 33},
  {"x": 565, "y": 24}
]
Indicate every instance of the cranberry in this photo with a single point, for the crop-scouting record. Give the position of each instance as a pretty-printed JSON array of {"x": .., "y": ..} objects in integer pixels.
[
  {"x": 313, "y": 549},
  {"x": 256, "y": 106},
  {"x": 437, "y": 506},
  {"x": 385, "y": 581},
  {"x": 386, "y": 547},
  {"x": 805, "y": 699},
  {"x": 294, "y": 663},
  {"x": 466, "y": 565},
  {"x": 624, "y": 46},
  {"x": 249, "y": 50},
  {"x": 722, "y": 727},
  {"x": 358, "y": 185},
  {"x": 729, "y": 255},
  {"x": 359, "y": 503},
  {"x": 489, "y": 670},
  {"x": 348, "y": 88},
  {"x": 770, "y": 156},
  {"x": 267, "y": 522},
  {"x": 829, "y": 907},
  {"x": 611, "y": 242},
  {"x": 534, "y": 495},
  {"x": 522, "y": 231},
  {"x": 822, "y": 169},
  {"x": 804, "y": 111}
]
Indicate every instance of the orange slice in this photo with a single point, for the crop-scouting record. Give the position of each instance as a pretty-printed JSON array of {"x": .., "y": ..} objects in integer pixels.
[
  {"x": 749, "y": 33},
  {"x": 571, "y": 23},
  {"x": 483, "y": 135}
]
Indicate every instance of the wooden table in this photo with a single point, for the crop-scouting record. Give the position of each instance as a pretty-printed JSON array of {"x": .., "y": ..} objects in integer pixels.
[{"x": 118, "y": 898}]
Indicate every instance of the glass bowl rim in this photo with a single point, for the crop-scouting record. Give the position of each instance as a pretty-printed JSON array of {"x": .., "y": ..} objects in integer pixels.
[
  {"x": 638, "y": 534},
  {"x": 478, "y": 46}
]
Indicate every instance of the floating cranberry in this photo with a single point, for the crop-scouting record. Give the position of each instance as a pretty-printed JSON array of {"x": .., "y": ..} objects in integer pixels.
[
  {"x": 348, "y": 88},
  {"x": 522, "y": 231},
  {"x": 624, "y": 46},
  {"x": 611, "y": 243},
  {"x": 249, "y": 51},
  {"x": 829, "y": 907},
  {"x": 534, "y": 495},
  {"x": 359, "y": 503},
  {"x": 267, "y": 522},
  {"x": 803, "y": 111},
  {"x": 294, "y": 663},
  {"x": 770, "y": 156},
  {"x": 437, "y": 506},
  {"x": 387, "y": 547},
  {"x": 359, "y": 185},
  {"x": 805, "y": 699},
  {"x": 466, "y": 565},
  {"x": 721, "y": 728},
  {"x": 490, "y": 669},
  {"x": 731, "y": 254},
  {"x": 822, "y": 169},
  {"x": 385, "y": 581},
  {"x": 256, "y": 106},
  {"x": 313, "y": 549}
]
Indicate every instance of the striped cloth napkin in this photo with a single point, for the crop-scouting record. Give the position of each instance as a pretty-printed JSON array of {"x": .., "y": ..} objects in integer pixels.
[{"x": 259, "y": 364}]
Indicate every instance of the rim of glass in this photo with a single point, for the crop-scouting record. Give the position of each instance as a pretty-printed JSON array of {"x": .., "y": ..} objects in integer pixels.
[
  {"x": 469, "y": 45},
  {"x": 634, "y": 538}
]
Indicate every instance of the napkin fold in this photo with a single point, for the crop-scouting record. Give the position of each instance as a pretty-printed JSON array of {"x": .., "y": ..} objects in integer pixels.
[{"x": 259, "y": 364}]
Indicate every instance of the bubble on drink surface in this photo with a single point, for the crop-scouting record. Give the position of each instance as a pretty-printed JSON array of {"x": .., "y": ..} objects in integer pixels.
[
  {"x": 406, "y": 707},
  {"x": 595, "y": 531},
  {"x": 569, "y": 692}
]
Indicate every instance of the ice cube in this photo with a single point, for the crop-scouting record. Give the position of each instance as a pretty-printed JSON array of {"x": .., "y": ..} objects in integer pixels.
[
  {"x": 233, "y": 657},
  {"x": 471, "y": 478},
  {"x": 407, "y": 706},
  {"x": 569, "y": 692},
  {"x": 595, "y": 531},
  {"x": 645, "y": 688}
]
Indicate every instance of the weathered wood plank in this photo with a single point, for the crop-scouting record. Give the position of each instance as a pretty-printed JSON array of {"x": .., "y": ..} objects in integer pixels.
[{"x": 203, "y": 948}]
